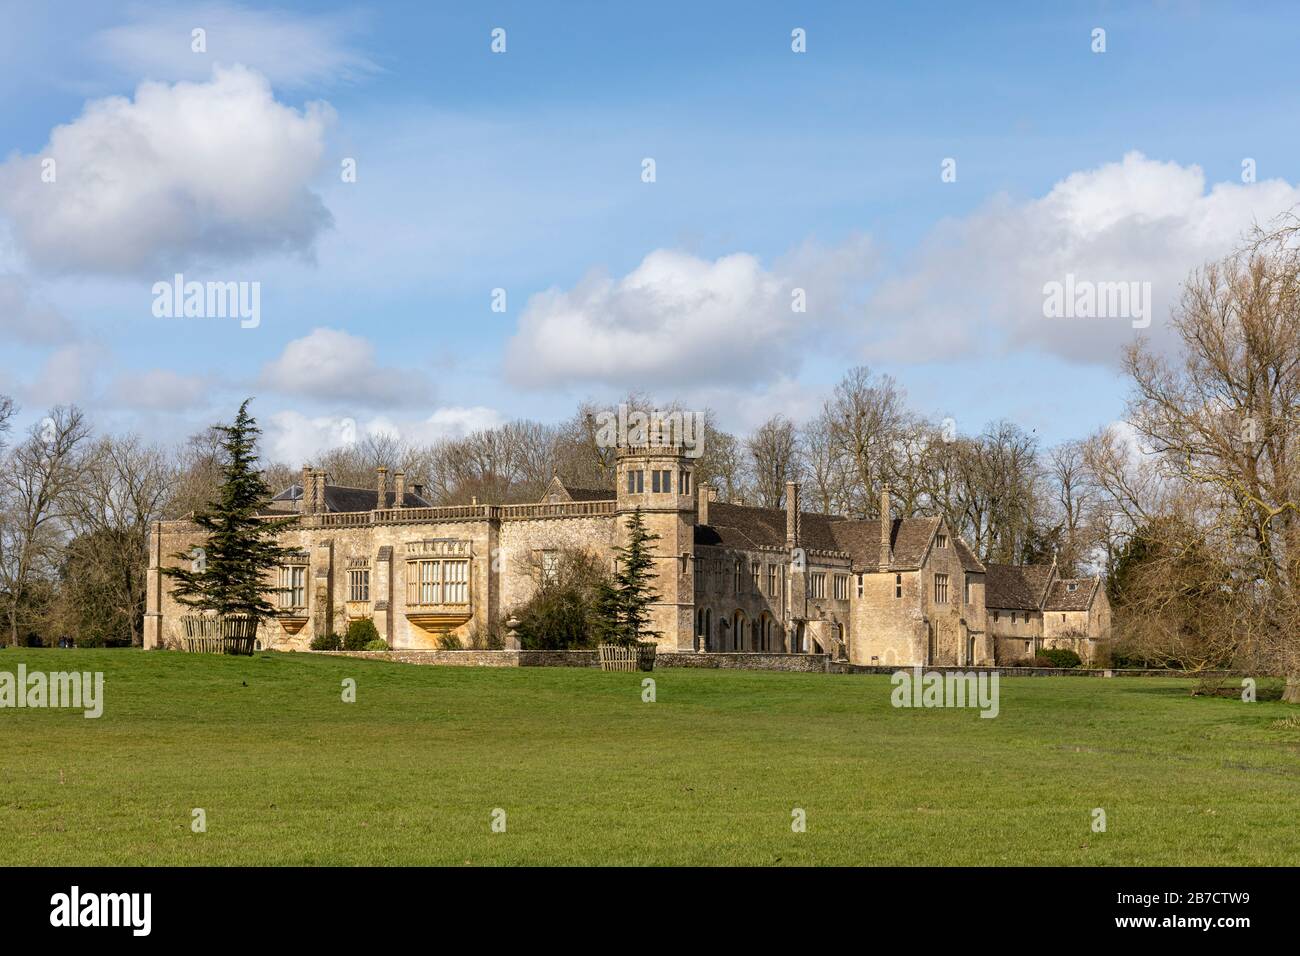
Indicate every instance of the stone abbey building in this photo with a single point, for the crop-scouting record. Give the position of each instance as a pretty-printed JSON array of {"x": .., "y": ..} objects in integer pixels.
[{"x": 730, "y": 577}]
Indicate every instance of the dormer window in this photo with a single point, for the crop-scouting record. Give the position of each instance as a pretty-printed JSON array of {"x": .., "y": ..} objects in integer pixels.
[{"x": 941, "y": 541}]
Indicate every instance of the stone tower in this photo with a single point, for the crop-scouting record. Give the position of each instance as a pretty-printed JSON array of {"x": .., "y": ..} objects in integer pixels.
[{"x": 660, "y": 480}]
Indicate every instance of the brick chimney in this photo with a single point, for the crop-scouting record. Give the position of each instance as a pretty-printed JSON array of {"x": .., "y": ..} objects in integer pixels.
[
  {"x": 886, "y": 527},
  {"x": 308, "y": 483},
  {"x": 703, "y": 495},
  {"x": 399, "y": 489},
  {"x": 791, "y": 514},
  {"x": 381, "y": 487}
]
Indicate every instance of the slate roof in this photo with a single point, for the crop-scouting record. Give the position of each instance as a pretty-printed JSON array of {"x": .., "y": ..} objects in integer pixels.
[
  {"x": 345, "y": 498},
  {"x": 745, "y": 526},
  {"x": 590, "y": 494},
  {"x": 556, "y": 488},
  {"x": 1014, "y": 587},
  {"x": 1061, "y": 598}
]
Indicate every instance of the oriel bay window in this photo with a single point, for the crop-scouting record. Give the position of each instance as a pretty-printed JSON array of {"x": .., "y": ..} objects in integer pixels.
[{"x": 437, "y": 581}]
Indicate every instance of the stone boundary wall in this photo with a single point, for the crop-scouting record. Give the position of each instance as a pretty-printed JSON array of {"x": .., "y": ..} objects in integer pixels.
[
  {"x": 751, "y": 661},
  {"x": 804, "y": 663},
  {"x": 788, "y": 663},
  {"x": 840, "y": 667}
]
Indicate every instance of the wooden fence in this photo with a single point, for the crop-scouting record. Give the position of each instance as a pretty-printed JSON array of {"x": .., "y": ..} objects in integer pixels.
[
  {"x": 233, "y": 634},
  {"x": 616, "y": 658}
]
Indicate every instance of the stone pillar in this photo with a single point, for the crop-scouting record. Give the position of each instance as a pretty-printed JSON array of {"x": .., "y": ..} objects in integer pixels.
[
  {"x": 399, "y": 489},
  {"x": 322, "y": 584},
  {"x": 381, "y": 585},
  {"x": 381, "y": 487},
  {"x": 152, "y": 634}
]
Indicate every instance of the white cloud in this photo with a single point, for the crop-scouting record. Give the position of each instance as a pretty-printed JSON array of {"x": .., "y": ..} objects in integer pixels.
[
  {"x": 678, "y": 319},
  {"x": 160, "y": 390},
  {"x": 187, "y": 173},
  {"x": 67, "y": 376},
  {"x": 27, "y": 319},
  {"x": 333, "y": 365},
  {"x": 294, "y": 438},
  {"x": 290, "y": 49},
  {"x": 976, "y": 285}
]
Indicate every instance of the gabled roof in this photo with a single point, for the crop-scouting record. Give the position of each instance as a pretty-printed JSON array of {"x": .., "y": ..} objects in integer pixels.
[
  {"x": 744, "y": 526},
  {"x": 1015, "y": 587},
  {"x": 1061, "y": 598},
  {"x": 557, "y": 490},
  {"x": 345, "y": 498}
]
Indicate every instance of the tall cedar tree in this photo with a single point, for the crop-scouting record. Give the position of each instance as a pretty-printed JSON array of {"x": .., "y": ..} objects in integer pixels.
[
  {"x": 241, "y": 549},
  {"x": 623, "y": 607}
]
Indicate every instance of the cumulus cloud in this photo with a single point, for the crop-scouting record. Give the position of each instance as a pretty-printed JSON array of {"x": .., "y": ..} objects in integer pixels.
[
  {"x": 294, "y": 438},
  {"x": 66, "y": 376},
  {"x": 189, "y": 173},
  {"x": 160, "y": 390},
  {"x": 334, "y": 365},
  {"x": 976, "y": 285},
  {"x": 290, "y": 49},
  {"x": 27, "y": 319},
  {"x": 678, "y": 319}
]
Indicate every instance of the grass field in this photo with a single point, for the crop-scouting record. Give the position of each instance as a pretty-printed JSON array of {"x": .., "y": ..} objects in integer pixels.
[{"x": 589, "y": 774}]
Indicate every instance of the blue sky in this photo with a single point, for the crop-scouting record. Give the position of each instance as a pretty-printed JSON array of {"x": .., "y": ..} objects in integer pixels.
[{"x": 522, "y": 171}]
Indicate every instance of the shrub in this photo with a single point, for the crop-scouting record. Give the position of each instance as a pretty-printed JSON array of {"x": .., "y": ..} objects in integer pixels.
[
  {"x": 360, "y": 633},
  {"x": 326, "y": 642},
  {"x": 1058, "y": 657},
  {"x": 449, "y": 642},
  {"x": 378, "y": 644},
  {"x": 561, "y": 613}
]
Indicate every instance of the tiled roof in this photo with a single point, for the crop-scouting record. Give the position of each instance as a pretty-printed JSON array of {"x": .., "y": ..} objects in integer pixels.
[
  {"x": 743, "y": 526},
  {"x": 1061, "y": 598},
  {"x": 969, "y": 562},
  {"x": 908, "y": 537},
  {"x": 1015, "y": 587},
  {"x": 556, "y": 488},
  {"x": 590, "y": 494}
]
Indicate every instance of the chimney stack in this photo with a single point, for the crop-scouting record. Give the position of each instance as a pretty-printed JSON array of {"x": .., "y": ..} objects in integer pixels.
[
  {"x": 886, "y": 528},
  {"x": 308, "y": 485},
  {"x": 399, "y": 489},
  {"x": 703, "y": 495},
  {"x": 381, "y": 487},
  {"x": 321, "y": 479},
  {"x": 791, "y": 515}
]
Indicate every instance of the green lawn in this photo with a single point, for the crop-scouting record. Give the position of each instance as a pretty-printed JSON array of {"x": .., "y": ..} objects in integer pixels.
[{"x": 589, "y": 774}]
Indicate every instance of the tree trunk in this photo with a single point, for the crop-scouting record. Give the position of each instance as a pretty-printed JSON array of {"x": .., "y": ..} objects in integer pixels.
[{"x": 1291, "y": 693}]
